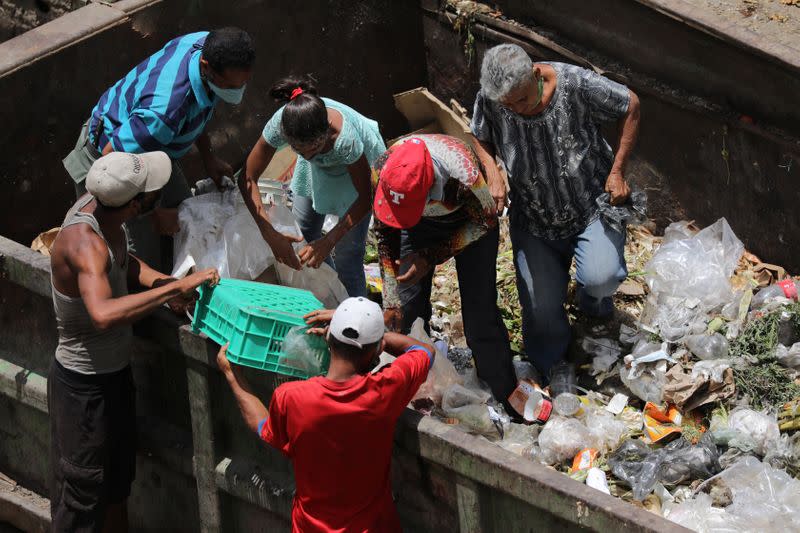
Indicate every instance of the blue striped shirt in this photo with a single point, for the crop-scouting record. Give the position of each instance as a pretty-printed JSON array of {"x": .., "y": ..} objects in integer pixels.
[{"x": 161, "y": 104}]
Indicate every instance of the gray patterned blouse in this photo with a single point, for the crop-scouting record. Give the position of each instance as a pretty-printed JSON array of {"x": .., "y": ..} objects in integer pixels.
[{"x": 558, "y": 160}]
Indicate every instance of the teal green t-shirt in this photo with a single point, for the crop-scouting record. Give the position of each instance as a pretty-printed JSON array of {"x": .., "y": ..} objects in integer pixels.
[{"x": 325, "y": 179}]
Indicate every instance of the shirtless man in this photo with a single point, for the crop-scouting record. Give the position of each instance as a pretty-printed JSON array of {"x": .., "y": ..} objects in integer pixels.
[{"x": 91, "y": 397}]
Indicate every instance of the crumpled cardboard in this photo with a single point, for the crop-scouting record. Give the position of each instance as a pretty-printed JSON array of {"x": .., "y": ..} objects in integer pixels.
[
  {"x": 43, "y": 243},
  {"x": 688, "y": 393}
]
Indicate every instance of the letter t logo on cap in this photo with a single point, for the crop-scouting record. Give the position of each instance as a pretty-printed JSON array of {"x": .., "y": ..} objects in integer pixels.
[{"x": 397, "y": 196}]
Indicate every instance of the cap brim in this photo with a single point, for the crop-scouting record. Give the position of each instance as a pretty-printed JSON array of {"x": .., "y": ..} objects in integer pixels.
[
  {"x": 159, "y": 170},
  {"x": 391, "y": 215}
]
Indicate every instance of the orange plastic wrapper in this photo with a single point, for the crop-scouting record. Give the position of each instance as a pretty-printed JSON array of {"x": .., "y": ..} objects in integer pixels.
[
  {"x": 661, "y": 424},
  {"x": 584, "y": 460}
]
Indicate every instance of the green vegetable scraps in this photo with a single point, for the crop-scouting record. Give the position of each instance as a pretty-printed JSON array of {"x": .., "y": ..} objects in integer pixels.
[{"x": 760, "y": 376}]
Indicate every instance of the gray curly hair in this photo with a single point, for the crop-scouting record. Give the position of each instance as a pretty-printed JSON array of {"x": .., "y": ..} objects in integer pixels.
[{"x": 505, "y": 67}]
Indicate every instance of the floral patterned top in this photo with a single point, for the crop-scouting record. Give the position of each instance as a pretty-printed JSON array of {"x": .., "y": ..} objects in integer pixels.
[{"x": 460, "y": 211}]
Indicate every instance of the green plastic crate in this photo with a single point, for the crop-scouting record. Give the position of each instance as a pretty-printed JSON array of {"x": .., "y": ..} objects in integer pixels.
[{"x": 254, "y": 318}]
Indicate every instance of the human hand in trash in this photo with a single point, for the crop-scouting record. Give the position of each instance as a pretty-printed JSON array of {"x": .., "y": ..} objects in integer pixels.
[
  {"x": 393, "y": 318},
  {"x": 416, "y": 266},
  {"x": 617, "y": 187},
  {"x": 313, "y": 254},
  {"x": 282, "y": 248}
]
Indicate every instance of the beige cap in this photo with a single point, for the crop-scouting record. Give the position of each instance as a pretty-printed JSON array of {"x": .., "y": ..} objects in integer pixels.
[{"x": 116, "y": 178}]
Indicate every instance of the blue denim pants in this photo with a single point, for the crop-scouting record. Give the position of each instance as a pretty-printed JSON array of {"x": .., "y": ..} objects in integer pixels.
[
  {"x": 348, "y": 254},
  {"x": 542, "y": 278}
]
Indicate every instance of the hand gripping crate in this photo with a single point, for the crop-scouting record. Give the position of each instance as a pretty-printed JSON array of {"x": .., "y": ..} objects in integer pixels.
[{"x": 254, "y": 318}]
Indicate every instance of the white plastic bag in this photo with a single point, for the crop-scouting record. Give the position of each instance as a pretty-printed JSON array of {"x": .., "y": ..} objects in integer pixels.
[
  {"x": 323, "y": 282},
  {"x": 788, "y": 357},
  {"x": 760, "y": 427},
  {"x": 217, "y": 231}
]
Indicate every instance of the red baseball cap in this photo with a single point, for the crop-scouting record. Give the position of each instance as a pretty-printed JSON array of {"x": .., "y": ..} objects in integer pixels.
[{"x": 403, "y": 186}]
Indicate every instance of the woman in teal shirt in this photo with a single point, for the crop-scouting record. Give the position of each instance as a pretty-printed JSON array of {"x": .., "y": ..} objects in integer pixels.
[{"x": 335, "y": 148}]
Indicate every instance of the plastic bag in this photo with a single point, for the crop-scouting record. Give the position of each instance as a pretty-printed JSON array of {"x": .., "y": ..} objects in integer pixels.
[
  {"x": 217, "y": 231},
  {"x": 760, "y": 427},
  {"x": 442, "y": 374},
  {"x": 788, "y": 357},
  {"x": 520, "y": 439},
  {"x": 561, "y": 438},
  {"x": 645, "y": 376},
  {"x": 605, "y": 352},
  {"x": 696, "y": 267},
  {"x": 470, "y": 407},
  {"x": 764, "y": 499},
  {"x": 700, "y": 515},
  {"x": 714, "y": 346},
  {"x": 323, "y": 282},
  {"x": 607, "y": 432},
  {"x": 633, "y": 211},
  {"x": 641, "y": 467},
  {"x": 301, "y": 350}
]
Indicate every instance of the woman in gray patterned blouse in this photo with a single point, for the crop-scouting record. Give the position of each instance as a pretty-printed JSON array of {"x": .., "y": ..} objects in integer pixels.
[{"x": 543, "y": 121}]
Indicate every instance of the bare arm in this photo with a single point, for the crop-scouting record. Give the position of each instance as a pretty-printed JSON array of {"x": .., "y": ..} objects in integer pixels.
[
  {"x": 90, "y": 260},
  {"x": 216, "y": 168},
  {"x": 140, "y": 274},
  {"x": 494, "y": 179},
  {"x": 257, "y": 162},
  {"x": 628, "y": 125},
  {"x": 315, "y": 253},
  {"x": 398, "y": 344},
  {"x": 252, "y": 408}
]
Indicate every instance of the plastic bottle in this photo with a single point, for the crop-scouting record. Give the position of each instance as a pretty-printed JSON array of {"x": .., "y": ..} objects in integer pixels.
[
  {"x": 525, "y": 370},
  {"x": 562, "y": 379},
  {"x": 707, "y": 347},
  {"x": 784, "y": 289},
  {"x": 567, "y": 404}
]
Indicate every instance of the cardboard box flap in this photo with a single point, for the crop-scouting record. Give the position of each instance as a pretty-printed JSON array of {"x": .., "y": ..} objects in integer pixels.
[{"x": 428, "y": 114}]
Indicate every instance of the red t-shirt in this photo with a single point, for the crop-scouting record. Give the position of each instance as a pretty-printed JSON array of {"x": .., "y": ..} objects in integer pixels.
[{"x": 339, "y": 438}]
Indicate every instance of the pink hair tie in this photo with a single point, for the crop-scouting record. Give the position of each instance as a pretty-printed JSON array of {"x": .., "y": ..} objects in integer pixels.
[{"x": 297, "y": 92}]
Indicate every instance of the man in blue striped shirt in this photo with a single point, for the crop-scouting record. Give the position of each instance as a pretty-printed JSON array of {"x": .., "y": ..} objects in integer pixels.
[{"x": 164, "y": 104}]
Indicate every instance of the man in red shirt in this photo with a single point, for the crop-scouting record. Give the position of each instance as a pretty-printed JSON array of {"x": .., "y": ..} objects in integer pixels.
[{"x": 338, "y": 429}]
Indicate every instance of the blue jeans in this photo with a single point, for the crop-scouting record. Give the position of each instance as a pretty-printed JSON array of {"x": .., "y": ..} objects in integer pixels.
[
  {"x": 542, "y": 278},
  {"x": 348, "y": 254}
]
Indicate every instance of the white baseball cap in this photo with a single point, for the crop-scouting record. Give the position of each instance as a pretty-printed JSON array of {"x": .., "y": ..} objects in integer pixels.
[
  {"x": 357, "y": 322},
  {"x": 116, "y": 178}
]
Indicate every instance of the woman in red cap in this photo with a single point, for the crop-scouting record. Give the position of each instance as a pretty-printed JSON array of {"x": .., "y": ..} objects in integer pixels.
[
  {"x": 335, "y": 147},
  {"x": 432, "y": 203}
]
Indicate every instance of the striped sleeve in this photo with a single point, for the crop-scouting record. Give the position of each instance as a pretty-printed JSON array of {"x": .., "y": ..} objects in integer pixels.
[{"x": 144, "y": 131}]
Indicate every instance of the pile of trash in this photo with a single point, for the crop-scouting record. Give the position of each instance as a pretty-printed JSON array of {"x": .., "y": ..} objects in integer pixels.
[{"x": 691, "y": 410}]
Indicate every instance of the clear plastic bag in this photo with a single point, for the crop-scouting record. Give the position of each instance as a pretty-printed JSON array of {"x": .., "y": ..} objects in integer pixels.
[
  {"x": 520, "y": 439},
  {"x": 442, "y": 374},
  {"x": 760, "y": 427},
  {"x": 764, "y": 498},
  {"x": 696, "y": 267},
  {"x": 561, "y": 438},
  {"x": 704, "y": 346},
  {"x": 645, "y": 379},
  {"x": 641, "y": 467},
  {"x": 301, "y": 350},
  {"x": 607, "y": 432},
  {"x": 470, "y": 407},
  {"x": 700, "y": 515}
]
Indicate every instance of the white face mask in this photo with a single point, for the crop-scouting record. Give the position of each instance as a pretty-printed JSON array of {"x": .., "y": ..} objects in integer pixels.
[{"x": 231, "y": 96}]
